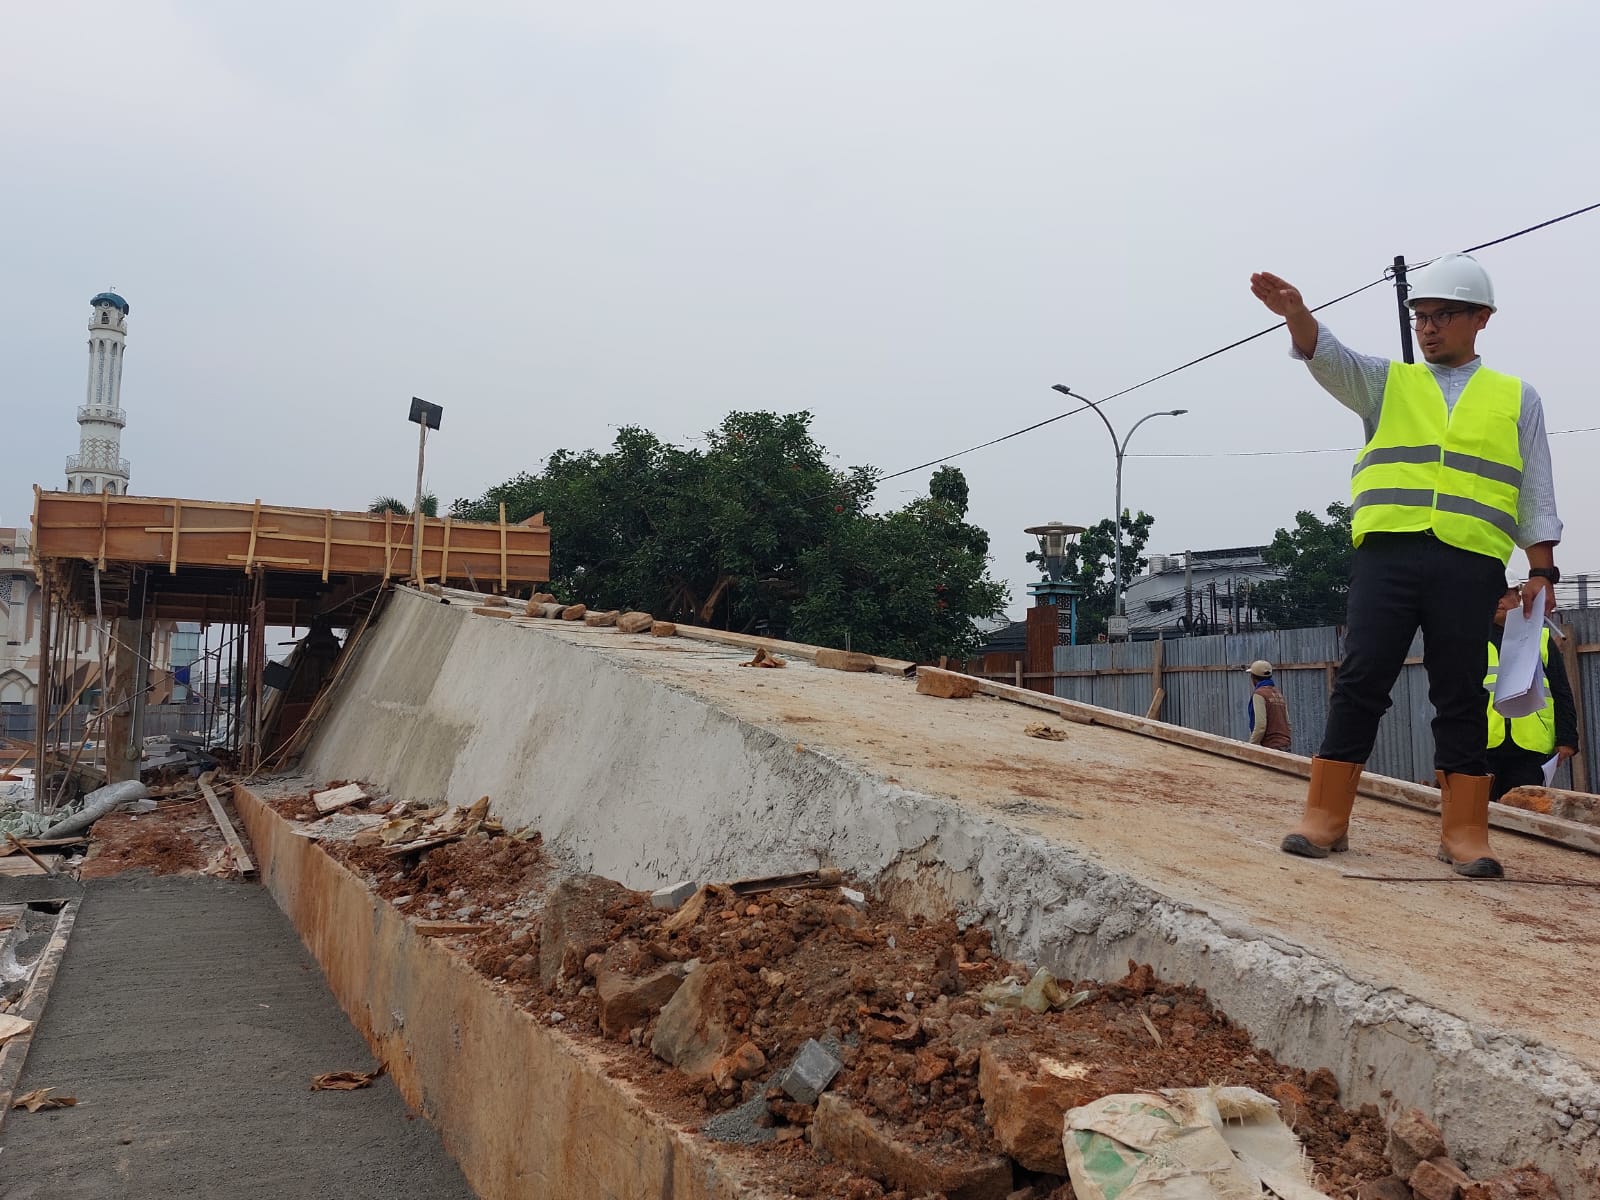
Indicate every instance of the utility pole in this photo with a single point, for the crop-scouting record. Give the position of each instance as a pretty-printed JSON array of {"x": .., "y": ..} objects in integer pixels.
[
  {"x": 1401, "y": 290},
  {"x": 427, "y": 416}
]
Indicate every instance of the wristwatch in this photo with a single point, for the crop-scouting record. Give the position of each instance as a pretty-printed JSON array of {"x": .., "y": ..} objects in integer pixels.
[{"x": 1553, "y": 574}]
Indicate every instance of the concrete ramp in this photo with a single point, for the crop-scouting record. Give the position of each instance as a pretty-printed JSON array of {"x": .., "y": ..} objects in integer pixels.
[{"x": 651, "y": 760}]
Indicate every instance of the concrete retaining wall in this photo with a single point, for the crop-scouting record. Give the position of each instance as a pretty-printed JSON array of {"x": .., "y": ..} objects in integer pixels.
[
  {"x": 647, "y": 784},
  {"x": 525, "y": 1110}
]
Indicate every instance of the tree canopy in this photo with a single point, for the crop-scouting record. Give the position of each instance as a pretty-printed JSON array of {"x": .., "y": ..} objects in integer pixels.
[
  {"x": 757, "y": 532},
  {"x": 383, "y": 504},
  {"x": 1314, "y": 557}
]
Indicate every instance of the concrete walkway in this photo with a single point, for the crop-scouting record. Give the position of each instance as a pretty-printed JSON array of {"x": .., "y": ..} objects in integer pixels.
[{"x": 188, "y": 1020}]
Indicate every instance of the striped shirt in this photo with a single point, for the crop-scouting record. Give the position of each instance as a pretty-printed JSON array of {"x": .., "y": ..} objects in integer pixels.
[{"x": 1357, "y": 381}]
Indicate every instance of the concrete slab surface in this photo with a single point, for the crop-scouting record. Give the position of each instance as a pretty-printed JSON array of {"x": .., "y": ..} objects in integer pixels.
[
  {"x": 188, "y": 1021},
  {"x": 656, "y": 759}
]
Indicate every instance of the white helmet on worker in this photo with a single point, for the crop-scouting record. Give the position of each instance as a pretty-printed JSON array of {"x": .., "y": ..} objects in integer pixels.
[
  {"x": 1453, "y": 277},
  {"x": 1260, "y": 669}
]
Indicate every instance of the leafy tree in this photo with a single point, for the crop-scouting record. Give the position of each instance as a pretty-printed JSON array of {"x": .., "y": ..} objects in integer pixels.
[
  {"x": 905, "y": 584},
  {"x": 757, "y": 532},
  {"x": 1089, "y": 565},
  {"x": 1314, "y": 557},
  {"x": 383, "y": 504}
]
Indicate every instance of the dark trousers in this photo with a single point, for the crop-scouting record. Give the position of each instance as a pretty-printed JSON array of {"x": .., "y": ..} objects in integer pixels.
[
  {"x": 1399, "y": 583},
  {"x": 1512, "y": 766}
]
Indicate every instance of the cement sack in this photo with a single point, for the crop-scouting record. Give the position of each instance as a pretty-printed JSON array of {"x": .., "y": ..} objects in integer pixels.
[{"x": 1185, "y": 1144}]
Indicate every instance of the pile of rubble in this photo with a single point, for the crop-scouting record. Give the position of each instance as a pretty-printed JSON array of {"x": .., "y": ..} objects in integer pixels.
[{"x": 863, "y": 1053}]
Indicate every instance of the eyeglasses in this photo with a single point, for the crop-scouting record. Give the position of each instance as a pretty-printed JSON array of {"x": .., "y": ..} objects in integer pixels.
[{"x": 1438, "y": 319}]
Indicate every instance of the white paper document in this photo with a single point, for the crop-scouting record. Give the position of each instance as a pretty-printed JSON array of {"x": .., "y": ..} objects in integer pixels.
[
  {"x": 1519, "y": 685},
  {"x": 1550, "y": 771}
]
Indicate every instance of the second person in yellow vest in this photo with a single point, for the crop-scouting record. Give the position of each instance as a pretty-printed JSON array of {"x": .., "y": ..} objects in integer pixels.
[{"x": 1519, "y": 747}]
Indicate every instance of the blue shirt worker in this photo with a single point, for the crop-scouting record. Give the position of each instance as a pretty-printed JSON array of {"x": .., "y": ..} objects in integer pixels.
[
  {"x": 1455, "y": 474},
  {"x": 1268, "y": 711}
]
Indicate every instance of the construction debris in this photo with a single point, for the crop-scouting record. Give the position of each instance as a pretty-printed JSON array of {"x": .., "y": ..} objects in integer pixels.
[
  {"x": 11, "y": 1026},
  {"x": 635, "y": 622},
  {"x": 345, "y": 1081},
  {"x": 1050, "y": 733},
  {"x": 1203, "y": 1143},
  {"x": 947, "y": 685},
  {"x": 574, "y": 612},
  {"x": 764, "y": 658},
  {"x": 663, "y": 629},
  {"x": 810, "y": 1073},
  {"x": 601, "y": 620},
  {"x": 338, "y": 797},
  {"x": 672, "y": 897},
  {"x": 844, "y": 660}
]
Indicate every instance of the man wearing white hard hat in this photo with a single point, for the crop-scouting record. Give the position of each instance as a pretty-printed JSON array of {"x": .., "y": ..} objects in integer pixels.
[
  {"x": 1454, "y": 476},
  {"x": 1268, "y": 712}
]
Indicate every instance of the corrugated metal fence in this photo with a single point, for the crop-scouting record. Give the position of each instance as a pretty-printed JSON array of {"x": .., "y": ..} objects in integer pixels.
[{"x": 1206, "y": 689}]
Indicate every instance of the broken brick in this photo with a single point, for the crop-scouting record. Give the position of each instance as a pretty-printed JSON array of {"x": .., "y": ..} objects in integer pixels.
[
  {"x": 693, "y": 1030},
  {"x": 946, "y": 685},
  {"x": 849, "y": 1136},
  {"x": 1413, "y": 1138},
  {"x": 1438, "y": 1179},
  {"x": 845, "y": 660},
  {"x": 575, "y": 926},
  {"x": 1388, "y": 1188},
  {"x": 1026, "y": 1097},
  {"x": 663, "y": 629}
]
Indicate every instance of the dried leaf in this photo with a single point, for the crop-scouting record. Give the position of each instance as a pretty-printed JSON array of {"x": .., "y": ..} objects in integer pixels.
[
  {"x": 402, "y": 829},
  {"x": 345, "y": 1081},
  {"x": 40, "y": 1100},
  {"x": 1050, "y": 733}
]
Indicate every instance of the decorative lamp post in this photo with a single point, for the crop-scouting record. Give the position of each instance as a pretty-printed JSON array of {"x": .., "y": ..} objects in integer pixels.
[{"x": 1055, "y": 540}]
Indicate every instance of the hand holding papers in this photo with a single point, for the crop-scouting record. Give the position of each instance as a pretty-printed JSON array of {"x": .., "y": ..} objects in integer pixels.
[{"x": 1519, "y": 686}]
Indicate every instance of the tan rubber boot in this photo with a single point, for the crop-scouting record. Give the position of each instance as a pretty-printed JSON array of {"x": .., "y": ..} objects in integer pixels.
[
  {"x": 1464, "y": 842},
  {"x": 1324, "y": 828}
]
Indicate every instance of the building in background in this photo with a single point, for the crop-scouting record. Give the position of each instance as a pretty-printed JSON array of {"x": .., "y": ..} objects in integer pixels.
[
  {"x": 19, "y": 620},
  {"x": 1198, "y": 592},
  {"x": 98, "y": 466}
]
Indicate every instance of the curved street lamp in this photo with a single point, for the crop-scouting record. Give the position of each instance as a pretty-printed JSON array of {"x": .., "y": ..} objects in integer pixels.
[{"x": 1121, "y": 448}]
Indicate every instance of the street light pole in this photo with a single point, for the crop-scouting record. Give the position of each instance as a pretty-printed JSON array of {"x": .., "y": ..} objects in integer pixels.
[
  {"x": 428, "y": 417},
  {"x": 1120, "y": 449}
]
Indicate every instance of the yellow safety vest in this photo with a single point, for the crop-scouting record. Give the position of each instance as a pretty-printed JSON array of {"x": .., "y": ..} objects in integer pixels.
[
  {"x": 1536, "y": 731},
  {"x": 1455, "y": 471}
]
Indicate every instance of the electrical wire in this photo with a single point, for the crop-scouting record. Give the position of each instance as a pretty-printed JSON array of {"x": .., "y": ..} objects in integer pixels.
[{"x": 1386, "y": 277}]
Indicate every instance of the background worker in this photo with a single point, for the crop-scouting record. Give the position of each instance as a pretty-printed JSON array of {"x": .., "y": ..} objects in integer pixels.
[
  {"x": 1268, "y": 710},
  {"x": 1455, "y": 474},
  {"x": 1520, "y": 746}
]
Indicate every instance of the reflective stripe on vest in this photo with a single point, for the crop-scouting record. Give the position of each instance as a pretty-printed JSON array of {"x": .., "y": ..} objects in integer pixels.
[
  {"x": 1536, "y": 731},
  {"x": 1456, "y": 472}
]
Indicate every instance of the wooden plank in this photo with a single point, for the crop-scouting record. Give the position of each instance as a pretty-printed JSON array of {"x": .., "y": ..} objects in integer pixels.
[
  {"x": 240, "y": 857},
  {"x": 105, "y": 514},
  {"x": 327, "y": 542},
  {"x": 502, "y": 546},
  {"x": 388, "y": 555},
  {"x": 444, "y": 560},
  {"x": 1569, "y": 660},
  {"x": 177, "y": 527},
  {"x": 32, "y": 857},
  {"x": 1571, "y": 834},
  {"x": 1154, "y": 711},
  {"x": 884, "y": 666},
  {"x": 337, "y": 798},
  {"x": 31, "y": 1007},
  {"x": 255, "y": 520}
]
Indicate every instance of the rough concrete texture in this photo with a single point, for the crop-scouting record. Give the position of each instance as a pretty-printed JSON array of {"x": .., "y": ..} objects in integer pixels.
[
  {"x": 651, "y": 760},
  {"x": 188, "y": 1021}
]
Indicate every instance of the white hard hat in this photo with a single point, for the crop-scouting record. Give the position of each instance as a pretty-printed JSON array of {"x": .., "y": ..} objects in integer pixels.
[
  {"x": 1261, "y": 668},
  {"x": 1453, "y": 277}
]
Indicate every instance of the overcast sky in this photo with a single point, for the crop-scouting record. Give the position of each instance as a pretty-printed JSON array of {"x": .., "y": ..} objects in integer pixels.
[{"x": 909, "y": 218}]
